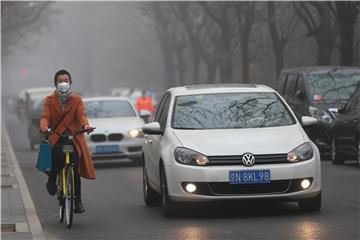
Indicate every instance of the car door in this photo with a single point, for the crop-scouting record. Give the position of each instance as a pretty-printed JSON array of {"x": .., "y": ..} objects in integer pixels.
[
  {"x": 153, "y": 142},
  {"x": 347, "y": 126}
]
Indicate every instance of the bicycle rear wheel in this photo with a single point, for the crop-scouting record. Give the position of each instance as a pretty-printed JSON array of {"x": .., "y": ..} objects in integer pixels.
[{"x": 69, "y": 196}]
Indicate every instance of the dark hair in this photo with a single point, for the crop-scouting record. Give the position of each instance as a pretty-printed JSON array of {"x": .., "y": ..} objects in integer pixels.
[{"x": 61, "y": 72}]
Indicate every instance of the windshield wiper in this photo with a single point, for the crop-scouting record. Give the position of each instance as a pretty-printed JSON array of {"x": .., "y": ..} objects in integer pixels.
[{"x": 187, "y": 103}]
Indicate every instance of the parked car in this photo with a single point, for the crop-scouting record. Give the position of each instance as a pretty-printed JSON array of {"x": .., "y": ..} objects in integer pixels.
[
  {"x": 346, "y": 132},
  {"x": 217, "y": 142},
  {"x": 318, "y": 92},
  {"x": 33, "y": 107},
  {"x": 21, "y": 105},
  {"x": 33, "y": 122},
  {"x": 118, "y": 133}
]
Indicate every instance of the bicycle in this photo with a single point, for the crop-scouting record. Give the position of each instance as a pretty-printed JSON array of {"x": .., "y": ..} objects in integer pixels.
[{"x": 65, "y": 180}]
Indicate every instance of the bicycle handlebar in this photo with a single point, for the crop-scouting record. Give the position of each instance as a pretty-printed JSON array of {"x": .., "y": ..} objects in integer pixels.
[{"x": 51, "y": 131}]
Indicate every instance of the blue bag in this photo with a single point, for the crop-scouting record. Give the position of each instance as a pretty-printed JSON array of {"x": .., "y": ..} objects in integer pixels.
[{"x": 44, "y": 162}]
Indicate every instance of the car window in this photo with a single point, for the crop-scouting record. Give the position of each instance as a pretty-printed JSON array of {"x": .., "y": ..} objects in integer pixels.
[
  {"x": 290, "y": 85},
  {"x": 300, "y": 83},
  {"x": 282, "y": 83},
  {"x": 164, "y": 113},
  {"x": 109, "y": 109},
  {"x": 337, "y": 85},
  {"x": 160, "y": 107},
  {"x": 230, "y": 110},
  {"x": 353, "y": 102}
]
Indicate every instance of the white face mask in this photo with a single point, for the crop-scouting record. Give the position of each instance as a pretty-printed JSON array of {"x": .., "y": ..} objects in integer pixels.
[{"x": 63, "y": 87}]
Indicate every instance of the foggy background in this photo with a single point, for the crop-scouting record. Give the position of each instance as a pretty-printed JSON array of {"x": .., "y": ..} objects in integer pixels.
[
  {"x": 157, "y": 45},
  {"x": 102, "y": 45}
]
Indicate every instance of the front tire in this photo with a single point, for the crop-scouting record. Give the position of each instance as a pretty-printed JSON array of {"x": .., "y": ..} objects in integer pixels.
[
  {"x": 60, "y": 196},
  {"x": 168, "y": 206},
  {"x": 151, "y": 198},
  {"x": 69, "y": 197},
  {"x": 310, "y": 204},
  {"x": 336, "y": 158}
]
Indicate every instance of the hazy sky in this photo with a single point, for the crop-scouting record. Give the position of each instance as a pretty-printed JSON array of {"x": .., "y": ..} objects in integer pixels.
[{"x": 103, "y": 45}]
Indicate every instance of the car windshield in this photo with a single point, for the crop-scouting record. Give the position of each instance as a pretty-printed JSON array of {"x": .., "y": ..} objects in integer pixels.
[
  {"x": 109, "y": 109},
  {"x": 230, "y": 110},
  {"x": 332, "y": 85}
]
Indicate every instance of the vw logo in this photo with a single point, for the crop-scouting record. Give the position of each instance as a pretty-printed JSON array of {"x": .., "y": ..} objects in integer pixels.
[{"x": 248, "y": 159}]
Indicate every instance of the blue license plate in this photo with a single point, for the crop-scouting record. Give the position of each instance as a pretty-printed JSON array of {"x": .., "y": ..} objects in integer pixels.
[
  {"x": 107, "y": 149},
  {"x": 250, "y": 176}
]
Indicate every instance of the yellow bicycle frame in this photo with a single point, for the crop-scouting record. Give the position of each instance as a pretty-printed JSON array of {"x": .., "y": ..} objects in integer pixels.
[{"x": 67, "y": 163}]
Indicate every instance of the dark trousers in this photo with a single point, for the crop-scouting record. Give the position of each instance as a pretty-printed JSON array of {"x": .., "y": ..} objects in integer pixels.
[{"x": 58, "y": 163}]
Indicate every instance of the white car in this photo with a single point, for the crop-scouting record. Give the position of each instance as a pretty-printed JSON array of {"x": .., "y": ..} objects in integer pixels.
[
  {"x": 217, "y": 142},
  {"x": 118, "y": 133}
]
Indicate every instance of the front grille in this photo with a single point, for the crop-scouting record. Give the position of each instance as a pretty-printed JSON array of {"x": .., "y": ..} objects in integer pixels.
[
  {"x": 98, "y": 138},
  {"x": 115, "y": 137},
  {"x": 237, "y": 159},
  {"x": 225, "y": 188},
  {"x": 134, "y": 149}
]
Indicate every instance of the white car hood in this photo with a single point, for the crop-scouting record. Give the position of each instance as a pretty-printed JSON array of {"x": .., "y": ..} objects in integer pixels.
[
  {"x": 119, "y": 125},
  {"x": 272, "y": 140}
]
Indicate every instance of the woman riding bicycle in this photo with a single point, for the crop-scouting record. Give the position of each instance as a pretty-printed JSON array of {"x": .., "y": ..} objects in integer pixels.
[{"x": 64, "y": 111}]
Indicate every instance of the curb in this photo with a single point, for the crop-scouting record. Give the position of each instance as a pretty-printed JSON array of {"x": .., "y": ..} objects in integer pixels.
[{"x": 31, "y": 215}]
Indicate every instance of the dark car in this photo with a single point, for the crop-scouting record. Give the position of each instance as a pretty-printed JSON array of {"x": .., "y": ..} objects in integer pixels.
[
  {"x": 33, "y": 122},
  {"x": 346, "y": 132},
  {"x": 319, "y": 92}
]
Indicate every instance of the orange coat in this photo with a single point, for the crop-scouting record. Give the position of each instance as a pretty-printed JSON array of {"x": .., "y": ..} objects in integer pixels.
[{"x": 73, "y": 121}]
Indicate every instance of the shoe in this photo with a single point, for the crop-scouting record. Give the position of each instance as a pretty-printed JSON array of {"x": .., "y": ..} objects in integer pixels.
[
  {"x": 51, "y": 187},
  {"x": 79, "y": 207}
]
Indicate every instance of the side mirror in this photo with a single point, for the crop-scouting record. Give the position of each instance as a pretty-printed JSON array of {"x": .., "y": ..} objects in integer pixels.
[
  {"x": 144, "y": 113},
  {"x": 152, "y": 128},
  {"x": 300, "y": 94},
  {"x": 308, "y": 121}
]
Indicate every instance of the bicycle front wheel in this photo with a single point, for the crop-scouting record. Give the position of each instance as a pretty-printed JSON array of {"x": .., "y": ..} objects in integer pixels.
[
  {"x": 69, "y": 197},
  {"x": 61, "y": 198}
]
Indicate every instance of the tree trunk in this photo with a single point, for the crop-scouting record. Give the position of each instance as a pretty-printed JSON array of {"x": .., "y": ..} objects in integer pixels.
[
  {"x": 211, "y": 73},
  {"x": 196, "y": 60},
  {"x": 346, "y": 15},
  {"x": 278, "y": 45},
  {"x": 245, "y": 63},
  {"x": 347, "y": 43},
  {"x": 324, "y": 52}
]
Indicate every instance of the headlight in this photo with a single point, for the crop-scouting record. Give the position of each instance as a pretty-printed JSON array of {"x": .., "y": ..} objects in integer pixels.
[
  {"x": 190, "y": 157},
  {"x": 320, "y": 115},
  {"x": 301, "y": 153},
  {"x": 136, "y": 133}
]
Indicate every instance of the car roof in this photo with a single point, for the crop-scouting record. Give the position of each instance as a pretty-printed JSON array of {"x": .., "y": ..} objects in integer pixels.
[
  {"x": 39, "y": 90},
  {"x": 219, "y": 88},
  {"x": 38, "y": 93},
  {"x": 104, "y": 98},
  {"x": 309, "y": 69}
]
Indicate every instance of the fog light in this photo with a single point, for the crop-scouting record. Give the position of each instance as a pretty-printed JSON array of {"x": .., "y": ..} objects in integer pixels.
[
  {"x": 190, "y": 188},
  {"x": 305, "y": 183}
]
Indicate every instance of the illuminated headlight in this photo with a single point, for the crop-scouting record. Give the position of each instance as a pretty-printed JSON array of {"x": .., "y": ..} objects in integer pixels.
[
  {"x": 301, "y": 153},
  {"x": 136, "y": 133},
  {"x": 190, "y": 157},
  {"x": 320, "y": 115}
]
